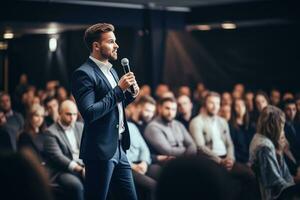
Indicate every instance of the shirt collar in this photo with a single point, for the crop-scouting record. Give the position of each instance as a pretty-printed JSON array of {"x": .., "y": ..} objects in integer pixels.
[
  {"x": 101, "y": 65},
  {"x": 65, "y": 128},
  {"x": 9, "y": 113}
]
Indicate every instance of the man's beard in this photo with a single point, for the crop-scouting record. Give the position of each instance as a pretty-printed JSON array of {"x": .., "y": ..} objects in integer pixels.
[
  {"x": 111, "y": 56},
  {"x": 211, "y": 114},
  {"x": 166, "y": 119}
]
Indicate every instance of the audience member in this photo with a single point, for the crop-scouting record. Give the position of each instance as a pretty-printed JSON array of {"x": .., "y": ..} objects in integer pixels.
[
  {"x": 160, "y": 90},
  {"x": 19, "y": 91},
  {"x": 146, "y": 107},
  {"x": 241, "y": 130},
  {"x": 33, "y": 136},
  {"x": 144, "y": 172},
  {"x": 287, "y": 95},
  {"x": 291, "y": 134},
  {"x": 211, "y": 132},
  {"x": 167, "y": 136},
  {"x": 62, "y": 148},
  {"x": 145, "y": 90},
  {"x": 8, "y": 140},
  {"x": 51, "y": 105},
  {"x": 275, "y": 97},
  {"x": 226, "y": 99},
  {"x": 184, "y": 90},
  {"x": 61, "y": 94},
  {"x": 185, "y": 110},
  {"x": 13, "y": 119},
  {"x": 261, "y": 101},
  {"x": 225, "y": 112},
  {"x": 238, "y": 91},
  {"x": 266, "y": 156},
  {"x": 249, "y": 100},
  {"x": 213, "y": 140}
]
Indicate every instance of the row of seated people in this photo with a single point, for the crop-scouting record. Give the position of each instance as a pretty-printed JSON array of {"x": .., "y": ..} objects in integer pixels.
[
  {"x": 55, "y": 139},
  {"x": 146, "y": 168},
  {"x": 225, "y": 143}
]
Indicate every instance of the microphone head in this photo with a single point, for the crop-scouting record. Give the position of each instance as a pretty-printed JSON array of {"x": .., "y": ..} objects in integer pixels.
[{"x": 124, "y": 62}]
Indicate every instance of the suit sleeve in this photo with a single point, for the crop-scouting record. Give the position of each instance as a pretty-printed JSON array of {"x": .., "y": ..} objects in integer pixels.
[
  {"x": 54, "y": 152},
  {"x": 83, "y": 89}
]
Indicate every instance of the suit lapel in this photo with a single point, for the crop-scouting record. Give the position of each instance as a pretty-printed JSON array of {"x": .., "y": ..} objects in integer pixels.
[
  {"x": 77, "y": 135},
  {"x": 115, "y": 75},
  {"x": 99, "y": 73},
  {"x": 63, "y": 137}
]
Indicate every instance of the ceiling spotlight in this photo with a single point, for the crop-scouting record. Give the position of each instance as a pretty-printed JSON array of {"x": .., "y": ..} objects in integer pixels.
[
  {"x": 52, "y": 44},
  {"x": 228, "y": 25},
  {"x": 8, "y": 35}
]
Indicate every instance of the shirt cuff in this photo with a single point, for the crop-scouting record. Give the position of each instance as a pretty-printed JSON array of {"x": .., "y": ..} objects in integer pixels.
[{"x": 72, "y": 165}]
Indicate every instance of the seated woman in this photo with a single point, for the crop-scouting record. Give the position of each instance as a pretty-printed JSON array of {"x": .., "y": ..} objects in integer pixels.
[
  {"x": 33, "y": 135},
  {"x": 266, "y": 156},
  {"x": 241, "y": 130}
]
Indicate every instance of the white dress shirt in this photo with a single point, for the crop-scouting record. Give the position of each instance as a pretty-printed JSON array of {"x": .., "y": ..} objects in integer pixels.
[
  {"x": 69, "y": 131},
  {"x": 105, "y": 68}
]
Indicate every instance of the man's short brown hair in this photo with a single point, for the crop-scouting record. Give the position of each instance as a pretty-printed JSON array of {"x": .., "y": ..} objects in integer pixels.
[
  {"x": 93, "y": 33},
  {"x": 211, "y": 94}
]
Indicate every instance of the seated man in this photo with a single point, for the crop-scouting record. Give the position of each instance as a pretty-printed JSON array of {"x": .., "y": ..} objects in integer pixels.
[
  {"x": 167, "y": 136},
  {"x": 62, "y": 148},
  {"x": 14, "y": 120},
  {"x": 144, "y": 172},
  {"x": 211, "y": 132},
  {"x": 146, "y": 107},
  {"x": 212, "y": 137}
]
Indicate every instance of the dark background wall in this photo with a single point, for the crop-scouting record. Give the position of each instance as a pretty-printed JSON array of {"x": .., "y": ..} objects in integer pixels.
[{"x": 262, "y": 56}]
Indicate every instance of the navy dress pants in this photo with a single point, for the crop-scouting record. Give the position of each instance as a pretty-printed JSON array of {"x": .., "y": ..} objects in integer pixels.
[{"x": 112, "y": 175}]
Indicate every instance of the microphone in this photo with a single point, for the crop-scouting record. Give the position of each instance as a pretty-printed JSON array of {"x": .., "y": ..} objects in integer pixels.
[{"x": 126, "y": 68}]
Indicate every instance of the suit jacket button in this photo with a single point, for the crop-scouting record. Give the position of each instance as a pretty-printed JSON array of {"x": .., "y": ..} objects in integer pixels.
[{"x": 117, "y": 126}]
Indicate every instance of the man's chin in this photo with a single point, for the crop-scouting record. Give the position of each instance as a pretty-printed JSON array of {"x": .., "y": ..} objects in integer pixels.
[{"x": 114, "y": 57}]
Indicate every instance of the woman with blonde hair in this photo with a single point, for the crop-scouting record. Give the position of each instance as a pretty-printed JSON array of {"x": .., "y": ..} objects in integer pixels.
[
  {"x": 267, "y": 159},
  {"x": 33, "y": 135}
]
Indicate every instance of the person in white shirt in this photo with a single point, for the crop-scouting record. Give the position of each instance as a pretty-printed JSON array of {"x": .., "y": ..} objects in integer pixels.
[
  {"x": 62, "y": 148},
  {"x": 212, "y": 137}
]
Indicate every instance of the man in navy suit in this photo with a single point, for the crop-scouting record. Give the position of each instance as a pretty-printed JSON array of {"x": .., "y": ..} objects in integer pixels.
[{"x": 101, "y": 98}]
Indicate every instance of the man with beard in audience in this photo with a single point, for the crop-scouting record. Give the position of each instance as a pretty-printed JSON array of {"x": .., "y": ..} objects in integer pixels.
[
  {"x": 146, "y": 107},
  {"x": 62, "y": 148},
  {"x": 166, "y": 136},
  {"x": 51, "y": 104},
  {"x": 185, "y": 110},
  {"x": 212, "y": 137}
]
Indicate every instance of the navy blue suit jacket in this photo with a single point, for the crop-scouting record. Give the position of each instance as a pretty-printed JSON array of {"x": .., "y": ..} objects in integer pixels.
[{"x": 97, "y": 102}]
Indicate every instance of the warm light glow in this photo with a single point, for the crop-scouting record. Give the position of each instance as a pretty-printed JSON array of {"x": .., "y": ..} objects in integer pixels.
[
  {"x": 52, "y": 44},
  {"x": 203, "y": 27},
  {"x": 8, "y": 35},
  {"x": 228, "y": 26},
  {"x": 3, "y": 46}
]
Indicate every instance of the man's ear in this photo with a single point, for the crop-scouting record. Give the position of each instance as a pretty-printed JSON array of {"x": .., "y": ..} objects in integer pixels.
[{"x": 96, "y": 46}]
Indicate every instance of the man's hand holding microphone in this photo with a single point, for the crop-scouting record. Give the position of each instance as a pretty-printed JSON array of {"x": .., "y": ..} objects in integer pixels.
[{"x": 127, "y": 81}]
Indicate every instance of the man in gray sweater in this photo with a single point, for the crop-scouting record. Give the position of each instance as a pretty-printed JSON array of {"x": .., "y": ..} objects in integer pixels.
[{"x": 166, "y": 136}]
